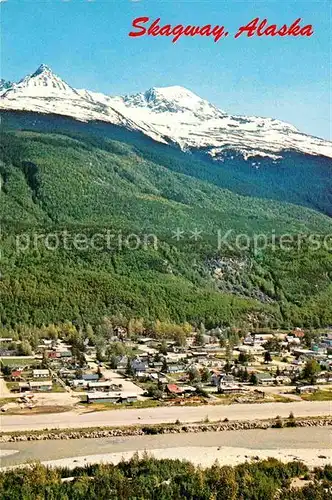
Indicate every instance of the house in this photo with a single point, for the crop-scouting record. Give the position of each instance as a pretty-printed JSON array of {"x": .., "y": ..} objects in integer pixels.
[
  {"x": 66, "y": 373},
  {"x": 23, "y": 386},
  {"x": 293, "y": 340},
  {"x": 79, "y": 383},
  {"x": 138, "y": 366},
  {"x": 121, "y": 363},
  {"x": 41, "y": 385},
  {"x": 102, "y": 386},
  {"x": 65, "y": 354},
  {"x": 248, "y": 340},
  {"x": 90, "y": 377},
  {"x": 16, "y": 375},
  {"x": 254, "y": 349},
  {"x": 230, "y": 389},
  {"x": 298, "y": 332},
  {"x": 174, "y": 389},
  {"x": 103, "y": 397},
  {"x": 265, "y": 378},
  {"x": 215, "y": 377},
  {"x": 175, "y": 369},
  {"x": 226, "y": 384},
  {"x": 52, "y": 354},
  {"x": 226, "y": 379},
  {"x": 157, "y": 365},
  {"x": 188, "y": 389},
  {"x": 283, "y": 379},
  {"x": 305, "y": 353},
  {"x": 306, "y": 389},
  {"x": 111, "y": 397},
  {"x": 40, "y": 373}
]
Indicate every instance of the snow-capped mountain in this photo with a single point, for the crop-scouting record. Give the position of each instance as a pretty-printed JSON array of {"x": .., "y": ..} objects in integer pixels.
[
  {"x": 4, "y": 85},
  {"x": 172, "y": 115},
  {"x": 45, "y": 92}
]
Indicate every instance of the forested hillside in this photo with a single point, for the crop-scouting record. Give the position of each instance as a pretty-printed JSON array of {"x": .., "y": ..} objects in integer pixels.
[
  {"x": 295, "y": 178},
  {"x": 172, "y": 266}
]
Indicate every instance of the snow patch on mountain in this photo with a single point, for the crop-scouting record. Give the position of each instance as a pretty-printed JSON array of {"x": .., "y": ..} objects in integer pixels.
[{"x": 173, "y": 115}]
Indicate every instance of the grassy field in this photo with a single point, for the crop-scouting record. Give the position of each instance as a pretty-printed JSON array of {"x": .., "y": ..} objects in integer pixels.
[
  {"x": 321, "y": 395},
  {"x": 150, "y": 403},
  {"x": 16, "y": 362}
]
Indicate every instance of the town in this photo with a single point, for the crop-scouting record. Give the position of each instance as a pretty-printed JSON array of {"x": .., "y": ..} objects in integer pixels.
[{"x": 123, "y": 365}]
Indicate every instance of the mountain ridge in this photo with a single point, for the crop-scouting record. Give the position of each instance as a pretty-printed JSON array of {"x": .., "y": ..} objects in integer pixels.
[{"x": 171, "y": 115}]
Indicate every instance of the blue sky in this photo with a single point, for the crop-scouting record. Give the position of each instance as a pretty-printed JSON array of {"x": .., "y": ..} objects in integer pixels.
[{"x": 87, "y": 44}]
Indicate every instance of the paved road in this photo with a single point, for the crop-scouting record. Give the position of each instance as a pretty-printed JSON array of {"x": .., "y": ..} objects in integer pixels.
[{"x": 164, "y": 415}]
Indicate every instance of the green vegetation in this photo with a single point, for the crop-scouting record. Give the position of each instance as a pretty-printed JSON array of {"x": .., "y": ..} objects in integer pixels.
[
  {"x": 320, "y": 395},
  {"x": 167, "y": 479},
  {"x": 64, "y": 186},
  {"x": 16, "y": 362}
]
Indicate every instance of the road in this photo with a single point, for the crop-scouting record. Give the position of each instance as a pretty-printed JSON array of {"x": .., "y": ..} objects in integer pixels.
[
  {"x": 4, "y": 391},
  {"x": 74, "y": 420}
]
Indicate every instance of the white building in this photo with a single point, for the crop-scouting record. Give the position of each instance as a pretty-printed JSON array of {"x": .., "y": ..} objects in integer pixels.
[{"x": 40, "y": 373}]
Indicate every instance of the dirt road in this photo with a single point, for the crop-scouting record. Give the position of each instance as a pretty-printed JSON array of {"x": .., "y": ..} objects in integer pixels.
[{"x": 164, "y": 415}]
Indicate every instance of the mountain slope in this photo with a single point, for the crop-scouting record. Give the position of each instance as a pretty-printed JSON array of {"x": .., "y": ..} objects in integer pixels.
[
  {"x": 296, "y": 178},
  {"x": 87, "y": 186},
  {"x": 89, "y": 180}
]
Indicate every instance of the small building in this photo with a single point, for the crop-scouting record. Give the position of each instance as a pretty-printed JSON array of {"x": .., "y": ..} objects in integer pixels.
[
  {"x": 306, "y": 389},
  {"x": 139, "y": 366},
  {"x": 283, "y": 379},
  {"x": 175, "y": 369},
  {"x": 188, "y": 389},
  {"x": 40, "y": 373},
  {"x": 16, "y": 375},
  {"x": 79, "y": 382},
  {"x": 265, "y": 378},
  {"x": 101, "y": 386},
  {"x": 226, "y": 385},
  {"x": 298, "y": 332},
  {"x": 225, "y": 380},
  {"x": 67, "y": 374},
  {"x": 121, "y": 362},
  {"x": 110, "y": 397},
  {"x": 103, "y": 397},
  {"x": 41, "y": 385},
  {"x": 23, "y": 386},
  {"x": 52, "y": 354},
  {"x": 174, "y": 389},
  {"x": 230, "y": 389},
  {"x": 90, "y": 377},
  {"x": 215, "y": 377},
  {"x": 252, "y": 349}
]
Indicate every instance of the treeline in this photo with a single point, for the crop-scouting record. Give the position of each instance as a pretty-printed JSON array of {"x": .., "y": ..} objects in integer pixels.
[{"x": 148, "y": 478}]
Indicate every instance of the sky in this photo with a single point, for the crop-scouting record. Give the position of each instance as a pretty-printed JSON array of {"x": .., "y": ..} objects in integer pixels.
[{"x": 86, "y": 42}]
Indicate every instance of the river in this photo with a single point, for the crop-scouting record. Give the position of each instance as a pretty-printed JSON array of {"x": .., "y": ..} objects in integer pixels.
[{"x": 227, "y": 446}]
